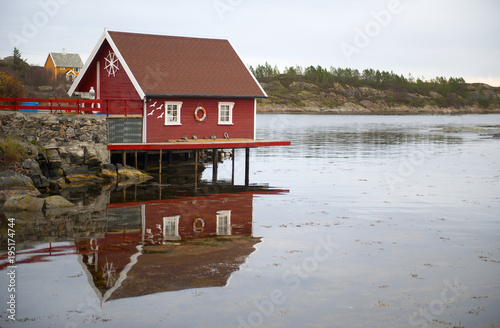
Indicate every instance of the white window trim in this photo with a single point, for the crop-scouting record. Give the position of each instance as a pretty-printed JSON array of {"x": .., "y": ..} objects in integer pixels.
[
  {"x": 227, "y": 227},
  {"x": 231, "y": 106},
  {"x": 179, "y": 106},
  {"x": 175, "y": 220}
]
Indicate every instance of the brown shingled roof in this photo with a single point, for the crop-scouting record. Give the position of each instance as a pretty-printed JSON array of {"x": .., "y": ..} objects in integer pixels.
[{"x": 170, "y": 66}]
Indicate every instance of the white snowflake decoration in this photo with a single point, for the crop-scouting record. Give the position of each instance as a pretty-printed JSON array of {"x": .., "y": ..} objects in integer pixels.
[{"x": 111, "y": 64}]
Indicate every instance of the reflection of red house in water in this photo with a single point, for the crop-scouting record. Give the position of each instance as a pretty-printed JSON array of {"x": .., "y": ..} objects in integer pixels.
[
  {"x": 193, "y": 217},
  {"x": 164, "y": 245}
]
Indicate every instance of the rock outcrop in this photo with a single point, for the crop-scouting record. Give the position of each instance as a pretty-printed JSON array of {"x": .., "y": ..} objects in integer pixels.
[
  {"x": 53, "y": 202},
  {"x": 65, "y": 152},
  {"x": 34, "y": 204},
  {"x": 12, "y": 182},
  {"x": 297, "y": 96},
  {"x": 129, "y": 174},
  {"x": 23, "y": 203}
]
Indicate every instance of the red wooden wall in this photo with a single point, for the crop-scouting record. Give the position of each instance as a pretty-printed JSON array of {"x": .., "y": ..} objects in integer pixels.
[
  {"x": 243, "y": 120},
  {"x": 111, "y": 87}
]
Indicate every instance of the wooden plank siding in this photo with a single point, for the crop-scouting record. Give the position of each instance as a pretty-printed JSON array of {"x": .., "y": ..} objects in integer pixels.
[
  {"x": 243, "y": 119},
  {"x": 110, "y": 87}
]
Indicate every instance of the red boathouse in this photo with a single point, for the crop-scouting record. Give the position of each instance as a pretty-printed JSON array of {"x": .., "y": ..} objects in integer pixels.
[
  {"x": 189, "y": 87},
  {"x": 179, "y": 93}
]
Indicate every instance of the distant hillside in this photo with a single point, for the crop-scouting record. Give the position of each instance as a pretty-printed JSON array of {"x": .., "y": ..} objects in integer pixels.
[
  {"x": 18, "y": 79},
  {"x": 315, "y": 89}
]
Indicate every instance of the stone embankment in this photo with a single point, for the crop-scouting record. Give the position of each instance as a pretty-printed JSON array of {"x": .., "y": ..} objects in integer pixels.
[{"x": 63, "y": 151}]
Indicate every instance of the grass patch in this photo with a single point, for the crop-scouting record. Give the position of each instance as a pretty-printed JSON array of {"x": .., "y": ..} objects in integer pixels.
[{"x": 11, "y": 152}]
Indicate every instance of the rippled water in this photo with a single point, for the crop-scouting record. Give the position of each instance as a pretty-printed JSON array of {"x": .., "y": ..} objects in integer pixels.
[{"x": 373, "y": 221}]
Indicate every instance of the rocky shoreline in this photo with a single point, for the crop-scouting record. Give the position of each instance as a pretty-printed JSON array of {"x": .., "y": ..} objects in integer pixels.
[
  {"x": 62, "y": 152},
  {"x": 350, "y": 108},
  {"x": 289, "y": 96}
]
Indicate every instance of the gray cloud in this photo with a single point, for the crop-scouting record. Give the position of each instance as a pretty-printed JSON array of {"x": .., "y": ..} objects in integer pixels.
[{"x": 425, "y": 37}]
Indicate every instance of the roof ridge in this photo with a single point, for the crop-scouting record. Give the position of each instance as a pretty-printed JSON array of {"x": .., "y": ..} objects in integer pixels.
[{"x": 168, "y": 35}]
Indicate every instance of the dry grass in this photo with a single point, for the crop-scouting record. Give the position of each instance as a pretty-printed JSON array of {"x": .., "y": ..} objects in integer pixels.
[{"x": 12, "y": 154}]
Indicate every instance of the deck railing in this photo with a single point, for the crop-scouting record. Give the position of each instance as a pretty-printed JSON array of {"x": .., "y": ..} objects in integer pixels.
[{"x": 121, "y": 107}]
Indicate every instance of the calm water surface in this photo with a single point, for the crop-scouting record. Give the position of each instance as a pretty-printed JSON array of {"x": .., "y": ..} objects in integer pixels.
[{"x": 374, "y": 221}]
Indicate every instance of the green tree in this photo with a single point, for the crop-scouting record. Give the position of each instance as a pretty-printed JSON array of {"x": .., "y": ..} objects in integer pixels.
[{"x": 19, "y": 64}]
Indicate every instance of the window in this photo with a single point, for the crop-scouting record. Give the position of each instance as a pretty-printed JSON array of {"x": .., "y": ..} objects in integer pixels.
[
  {"x": 226, "y": 113},
  {"x": 223, "y": 223},
  {"x": 171, "y": 228},
  {"x": 173, "y": 116}
]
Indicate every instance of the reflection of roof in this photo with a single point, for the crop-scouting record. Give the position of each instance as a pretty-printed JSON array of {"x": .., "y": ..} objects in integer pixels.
[
  {"x": 170, "y": 244},
  {"x": 176, "y": 267},
  {"x": 66, "y": 60}
]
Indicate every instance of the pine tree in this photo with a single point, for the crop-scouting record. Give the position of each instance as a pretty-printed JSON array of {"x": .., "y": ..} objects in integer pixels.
[{"x": 19, "y": 64}]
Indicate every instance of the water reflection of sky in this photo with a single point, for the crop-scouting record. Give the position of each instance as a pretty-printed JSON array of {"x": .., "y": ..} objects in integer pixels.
[
  {"x": 353, "y": 136},
  {"x": 407, "y": 211}
]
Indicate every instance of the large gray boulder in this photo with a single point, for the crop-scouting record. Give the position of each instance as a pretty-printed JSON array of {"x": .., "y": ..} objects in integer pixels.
[
  {"x": 108, "y": 172},
  {"x": 130, "y": 174},
  {"x": 39, "y": 180},
  {"x": 73, "y": 155},
  {"x": 12, "y": 182},
  {"x": 54, "y": 158},
  {"x": 95, "y": 155},
  {"x": 26, "y": 203},
  {"x": 57, "y": 202},
  {"x": 23, "y": 203}
]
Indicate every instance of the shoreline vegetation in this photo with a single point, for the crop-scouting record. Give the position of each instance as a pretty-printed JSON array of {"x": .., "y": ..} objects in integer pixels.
[{"x": 369, "y": 92}]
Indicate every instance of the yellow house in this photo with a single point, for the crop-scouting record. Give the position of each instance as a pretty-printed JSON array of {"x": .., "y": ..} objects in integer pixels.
[{"x": 62, "y": 64}]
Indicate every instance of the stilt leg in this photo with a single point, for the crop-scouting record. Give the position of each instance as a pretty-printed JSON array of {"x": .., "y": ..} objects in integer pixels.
[
  {"x": 247, "y": 166},
  {"x": 159, "y": 170},
  {"x": 215, "y": 164},
  {"x": 196, "y": 156},
  {"x": 232, "y": 171}
]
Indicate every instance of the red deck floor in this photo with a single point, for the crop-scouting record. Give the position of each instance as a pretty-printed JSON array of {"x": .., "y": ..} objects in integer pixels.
[{"x": 199, "y": 144}]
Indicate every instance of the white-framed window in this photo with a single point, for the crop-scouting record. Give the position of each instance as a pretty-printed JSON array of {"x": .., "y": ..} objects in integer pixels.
[
  {"x": 171, "y": 228},
  {"x": 223, "y": 223},
  {"x": 226, "y": 112},
  {"x": 173, "y": 112}
]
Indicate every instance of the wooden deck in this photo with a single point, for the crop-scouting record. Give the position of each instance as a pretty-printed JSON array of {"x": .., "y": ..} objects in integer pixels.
[
  {"x": 195, "y": 146},
  {"x": 199, "y": 144}
]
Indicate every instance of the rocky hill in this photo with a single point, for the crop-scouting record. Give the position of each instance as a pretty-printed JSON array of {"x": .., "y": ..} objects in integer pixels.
[{"x": 346, "y": 91}]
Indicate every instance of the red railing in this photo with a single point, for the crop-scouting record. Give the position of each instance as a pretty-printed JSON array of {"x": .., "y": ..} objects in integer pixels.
[{"x": 74, "y": 106}]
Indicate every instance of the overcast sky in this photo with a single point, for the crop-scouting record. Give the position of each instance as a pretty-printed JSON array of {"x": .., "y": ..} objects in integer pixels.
[{"x": 427, "y": 38}]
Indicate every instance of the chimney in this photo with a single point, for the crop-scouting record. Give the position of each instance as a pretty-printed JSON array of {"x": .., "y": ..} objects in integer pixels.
[{"x": 64, "y": 51}]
